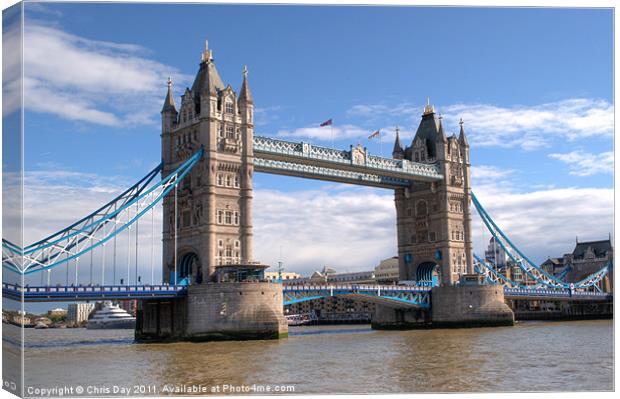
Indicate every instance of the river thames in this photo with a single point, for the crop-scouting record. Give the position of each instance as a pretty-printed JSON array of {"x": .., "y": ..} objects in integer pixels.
[{"x": 532, "y": 356}]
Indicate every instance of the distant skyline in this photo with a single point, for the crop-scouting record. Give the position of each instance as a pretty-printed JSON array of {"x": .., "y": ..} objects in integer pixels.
[{"x": 533, "y": 86}]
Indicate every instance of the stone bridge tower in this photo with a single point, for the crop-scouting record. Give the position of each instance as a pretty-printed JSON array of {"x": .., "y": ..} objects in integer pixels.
[
  {"x": 434, "y": 219},
  {"x": 214, "y": 202}
]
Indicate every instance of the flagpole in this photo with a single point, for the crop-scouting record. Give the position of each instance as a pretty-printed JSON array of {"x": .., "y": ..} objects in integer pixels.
[
  {"x": 380, "y": 144},
  {"x": 331, "y": 131}
]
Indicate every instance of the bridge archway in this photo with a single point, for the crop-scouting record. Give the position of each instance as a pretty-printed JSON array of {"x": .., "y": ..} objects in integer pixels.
[
  {"x": 428, "y": 274},
  {"x": 188, "y": 266}
]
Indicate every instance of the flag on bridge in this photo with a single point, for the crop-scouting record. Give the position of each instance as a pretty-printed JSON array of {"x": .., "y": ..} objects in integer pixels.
[
  {"x": 327, "y": 123},
  {"x": 375, "y": 134}
]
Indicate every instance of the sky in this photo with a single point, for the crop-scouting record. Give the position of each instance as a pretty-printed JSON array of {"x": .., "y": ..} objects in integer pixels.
[{"x": 533, "y": 86}]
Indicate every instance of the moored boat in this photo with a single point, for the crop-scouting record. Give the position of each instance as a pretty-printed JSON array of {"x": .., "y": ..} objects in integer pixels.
[{"x": 111, "y": 317}]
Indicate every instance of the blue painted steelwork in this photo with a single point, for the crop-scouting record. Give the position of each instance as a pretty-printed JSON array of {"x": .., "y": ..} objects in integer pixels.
[
  {"x": 425, "y": 274},
  {"x": 323, "y": 173},
  {"x": 90, "y": 232},
  {"x": 308, "y": 160},
  {"x": 558, "y": 293},
  {"x": 91, "y": 293},
  {"x": 492, "y": 275},
  {"x": 530, "y": 268},
  {"x": 410, "y": 296}
]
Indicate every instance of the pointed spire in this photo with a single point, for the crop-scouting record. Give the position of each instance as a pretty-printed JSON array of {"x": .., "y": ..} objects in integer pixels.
[
  {"x": 462, "y": 137},
  {"x": 398, "y": 152},
  {"x": 428, "y": 108},
  {"x": 244, "y": 94},
  {"x": 169, "y": 101},
  {"x": 441, "y": 136},
  {"x": 208, "y": 54}
]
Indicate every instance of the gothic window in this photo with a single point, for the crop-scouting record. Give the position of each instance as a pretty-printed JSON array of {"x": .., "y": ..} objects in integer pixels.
[
  {"x": 220, "y": 215},
  {"x": 221, "y": 131},
  {"x": 228, "y": 217},
  {"x": 230, "y": 132},
  {"x": 236, "y": 243},
  {"x": 432, "y": 236},
  {"x": 236, "y": 218},
  {"x": 220, "y": 244},
  {"x": 417, "y": 157},
  {"x": 229, "y": 107},
  {"x": 186, "y": 218},
  {"x": 237, "y": 180},
  {"x": 421, "y": 209},
  {"x": 228, "y": 251},
  {"x": 220, "y": 179}
]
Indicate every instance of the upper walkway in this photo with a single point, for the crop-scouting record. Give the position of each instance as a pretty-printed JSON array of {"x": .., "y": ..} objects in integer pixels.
[{"x": 355, "y": 166}]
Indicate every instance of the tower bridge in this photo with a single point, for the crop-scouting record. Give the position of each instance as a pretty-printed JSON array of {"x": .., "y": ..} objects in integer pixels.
[{"x": 212, "y": 285}]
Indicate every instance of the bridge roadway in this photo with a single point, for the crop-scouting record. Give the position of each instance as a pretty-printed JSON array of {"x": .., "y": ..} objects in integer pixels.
[{"x": 403, "y": 296}]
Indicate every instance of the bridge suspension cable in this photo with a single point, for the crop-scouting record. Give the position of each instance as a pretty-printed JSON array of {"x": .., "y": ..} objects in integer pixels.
[
  {"x": 96, "y": 229},
  {"x": 524, "y": 263}
]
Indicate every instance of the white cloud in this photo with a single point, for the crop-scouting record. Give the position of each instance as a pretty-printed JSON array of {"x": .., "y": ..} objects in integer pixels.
[
  {"x": 586, "y": 164},
  {"x": 350, "y": 229},
  {"x": 545, "y": 222},
  {"x": 56, "y": 198},
  {"x": 528, "y": 127},
  {"x": 489, "y": 177},
  {"x": 265, "y": 115},
  {"x": 11, "y": 69},
  {"x": 106, "y": 83},
  {"x": 531, "y": 127}
]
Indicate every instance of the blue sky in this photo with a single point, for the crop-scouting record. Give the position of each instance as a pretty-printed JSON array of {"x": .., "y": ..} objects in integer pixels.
[{"x": 534, "y": 87}]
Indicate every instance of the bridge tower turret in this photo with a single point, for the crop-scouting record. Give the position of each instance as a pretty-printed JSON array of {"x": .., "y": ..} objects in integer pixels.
[
  {"x": 433, "y": 219},
  {"x": 214, "y": 203}
]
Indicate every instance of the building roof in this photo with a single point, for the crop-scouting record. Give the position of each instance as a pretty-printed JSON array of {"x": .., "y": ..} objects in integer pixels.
[
  {"x": 555, "y": 261},
  {"x": 600, "y": 248},
  {"x": 245, "y": 94},
  {"x": 428, "y": 131},
  {"x": 169, "y": 101},
  {"x": 462, "y": 137},
  {"x": 398, "y": 148},
  {"x": 207, "y": 78}
]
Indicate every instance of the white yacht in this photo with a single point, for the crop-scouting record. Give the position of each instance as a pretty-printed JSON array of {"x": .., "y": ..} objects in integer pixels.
[{"x": 111, "y": 317}]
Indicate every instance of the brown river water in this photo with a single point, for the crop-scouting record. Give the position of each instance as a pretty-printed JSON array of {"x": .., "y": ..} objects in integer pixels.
[{"x": 532, "y": 356}]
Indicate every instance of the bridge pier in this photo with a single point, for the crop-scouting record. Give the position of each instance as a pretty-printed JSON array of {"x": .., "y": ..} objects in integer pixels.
[
  {"x": 458, "y": 306},
  {"x": 215, "y": 311},
  {"x": 476, "y": 305},
  {"x": 389, "y": 318}
]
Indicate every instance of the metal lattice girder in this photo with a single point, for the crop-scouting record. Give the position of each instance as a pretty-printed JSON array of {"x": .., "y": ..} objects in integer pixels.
[
  {"x": 556, "y": 293},
  {"x": 412, "y": 296},
  {"x": 91, "y": 293},
  {"x": 492, "y": 275},
  {"x": 323, "y": 173},
  {"x": 97, "y": 228},
  {"x": 300, "y": 153},
  {"x": 530, "y": 268}
]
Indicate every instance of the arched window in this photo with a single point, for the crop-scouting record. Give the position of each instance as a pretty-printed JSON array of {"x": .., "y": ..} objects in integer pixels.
[{"x": 421, "y": 209}]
